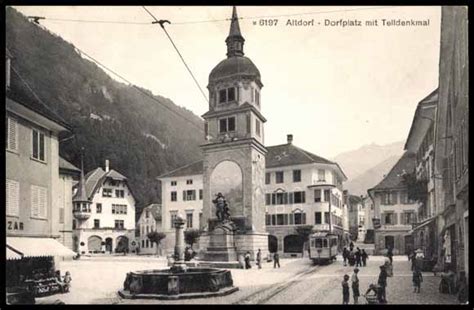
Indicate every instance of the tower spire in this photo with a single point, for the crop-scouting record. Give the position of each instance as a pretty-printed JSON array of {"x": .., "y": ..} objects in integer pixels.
[
  {"x": 81, "y": 194},
  {"x": 235, "y": 41}
]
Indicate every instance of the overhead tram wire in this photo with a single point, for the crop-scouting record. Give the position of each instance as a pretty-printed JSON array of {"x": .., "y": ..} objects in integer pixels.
[{"x": 161, "y": 22}]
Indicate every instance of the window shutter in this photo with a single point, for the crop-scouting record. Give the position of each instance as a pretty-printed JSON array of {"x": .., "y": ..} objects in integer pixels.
[
  {"x": 43, "y": 202},
  {"x": 13, "y": 195},
  {"x": 285, "y": 219},
  {"x": 248, "y": 123},
  {"x": 395, "y": 218},
  {"x": 12, "y": 134},
  {"x": 303, "y": 218},
  {"x": 303, "y": 197},
  {"x": 184, "y": 195},
  {"x": 34, "y": 201},
  {"x": 292, "y": 198},
  {"x": 273, "y": 199}
]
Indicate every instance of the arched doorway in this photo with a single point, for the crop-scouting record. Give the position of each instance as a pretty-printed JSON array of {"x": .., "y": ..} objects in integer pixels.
[
  {"x": 122, "y": 244},
  {"x": 293, "y": 244},
  {"x": 108, "y": 245},
  {"x": 272, "y": 244},
  {"x": 94, "y": 244}
]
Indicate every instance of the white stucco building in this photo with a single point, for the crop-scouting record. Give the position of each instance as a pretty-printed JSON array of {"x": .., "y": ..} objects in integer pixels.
[
  {"x": 150, "y": 220},
  {"x": 104, "y": 212}
]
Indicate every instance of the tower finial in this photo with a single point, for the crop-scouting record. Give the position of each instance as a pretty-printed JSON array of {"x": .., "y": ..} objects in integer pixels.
[{"x": 235, "y": 41}]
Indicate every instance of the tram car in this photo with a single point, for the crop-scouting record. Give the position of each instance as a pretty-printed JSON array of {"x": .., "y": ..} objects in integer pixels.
[{"x": 323, "y": 247}]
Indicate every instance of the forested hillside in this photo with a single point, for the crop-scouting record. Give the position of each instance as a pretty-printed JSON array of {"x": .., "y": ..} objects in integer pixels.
[{"x": 141, "y": 138}]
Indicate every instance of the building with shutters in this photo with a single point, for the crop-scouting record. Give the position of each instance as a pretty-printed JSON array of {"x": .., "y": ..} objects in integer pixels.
[
  {"x": 394, "y": 212},
  {"x": 301, "y": 188},
  {"x": 104, "y": 213},
  {"x": 36, "y": 206},
  {"x": 150, "y": 220}
]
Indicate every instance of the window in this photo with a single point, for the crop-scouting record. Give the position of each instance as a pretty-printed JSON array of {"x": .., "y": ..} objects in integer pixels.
[
  {"x": 189, "y": 182},
  {"x": 173, "y": 183},
  {"x": 321, "y": 175},
  {"x": 189, "y": 195},
  {"x": 119, "y": 224},
  {"x": 173, "y": 215},
  {"x": 257, "y": 97},
  {"x": 143, "y": 243},
  {"x": 189, "y": 220},
  {"x": 389, "y": 218},
  {"x": 227, "y": 124},
  {"x": 200, "y": 218},
  {"x": 38, "y": 145},
  {"x": 326, "y": 217},
  {"x": 38, "y": 201},
  {"x": 174, "y": 196},
  {"x": 200, "y": 194},
  {"x": 299, "y": 197},
  {"x": 296, "y": 175},
  {"x": 268, "y": 219},
  {"x": 147, "y": 243},
  {"x": 227, "y": 95},
  {"x": 403, "y": 197},
  {"x": 280, "y": 198},
  {"x": 96, "y": 223},
  {"x": 13, "y": 197},
  {"x": 409, "y": 218},
  {"x": 119, "y": 193},
  {"x": 11, "y": 131},
  {"x": 300, "y": 218},
  {"x": 279, "y": 176},
  {"x": 318, "y": 243},
  {"x": 107, "y": 192},
  {"x": 73, "y": 224},
  {"x": 98, "y": 208},
  {"x": 393, "y": 198},
  {"x": 119, "y": 209},
  {"x": 257, "y": 127},
  {"x": 267, "y": 178},
  {"x": 280, "y": 219},
  {"x": 327, "y": 195},
  {"x": 147, "y": 229},
  {"x": 317, "y": 218},
  {"x": 147, "y": 214},
  {"x": 317, "y": 195}
]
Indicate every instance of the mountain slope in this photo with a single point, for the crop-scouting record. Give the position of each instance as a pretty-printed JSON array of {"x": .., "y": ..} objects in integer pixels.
[
  {"x": 360, "y": 184},
  {"x": 357, "y": 162},
  {"x": 142, "y": 138}
]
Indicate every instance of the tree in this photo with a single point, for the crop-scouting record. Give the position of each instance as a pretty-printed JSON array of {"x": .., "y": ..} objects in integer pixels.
[
  {"x": 304, "y": 232},
  {"x": 191, "y": 236},
  {"x": 156, "y": 237}
]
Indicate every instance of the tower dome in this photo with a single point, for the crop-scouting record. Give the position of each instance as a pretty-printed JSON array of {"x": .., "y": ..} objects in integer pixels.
[{"x": 236, "y": 64}]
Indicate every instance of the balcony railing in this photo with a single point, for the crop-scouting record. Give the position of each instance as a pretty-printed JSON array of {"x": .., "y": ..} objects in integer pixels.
[{"x": 82, "y": 214}]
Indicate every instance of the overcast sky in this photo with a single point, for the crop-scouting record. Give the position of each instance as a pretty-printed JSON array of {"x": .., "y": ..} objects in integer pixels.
[{"x": 335, "y": 89}]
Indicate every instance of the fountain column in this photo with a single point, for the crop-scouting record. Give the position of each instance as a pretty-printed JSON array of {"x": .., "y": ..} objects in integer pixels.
[{"x": 179, "y": 264}]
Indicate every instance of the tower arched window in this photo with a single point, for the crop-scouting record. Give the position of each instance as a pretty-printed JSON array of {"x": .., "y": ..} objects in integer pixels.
[{"x": 227, "y": 95}]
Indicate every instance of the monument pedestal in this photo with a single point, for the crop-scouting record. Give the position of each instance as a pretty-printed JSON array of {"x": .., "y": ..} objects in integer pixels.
[{"x": 221, "y": 245}]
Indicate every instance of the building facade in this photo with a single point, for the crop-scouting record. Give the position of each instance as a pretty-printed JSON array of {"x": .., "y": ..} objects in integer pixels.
[
  {"x": 394, "y": 211},
  {"x": 301, "y": 189},
  {"x": 420, "y": 141},
  {"x": 451, "y": 141},
  {"x": 149, "y": 220},
  {"x": 33, "y": 181},
  {"x": 104, "y": 213}
]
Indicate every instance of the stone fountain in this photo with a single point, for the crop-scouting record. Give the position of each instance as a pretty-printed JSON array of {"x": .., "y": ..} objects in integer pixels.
[{"x": 179, "y": 281}]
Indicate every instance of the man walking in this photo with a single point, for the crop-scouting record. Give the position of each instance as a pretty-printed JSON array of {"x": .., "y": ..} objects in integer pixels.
[
  {"x": 382, "y": 282},
  {"x": 355, "y": 286},
  {"x": 276, "y": 260},
  {"x": 345, "y": 254},
  {"x": 358, "y": 257},
  {"x": 259, "y": 259},
  {"x": 364, "y": 257}
]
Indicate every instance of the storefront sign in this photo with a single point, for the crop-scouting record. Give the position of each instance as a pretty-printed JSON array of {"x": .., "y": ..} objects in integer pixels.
[
  {"x": 376, "y": 223},
  {"x": 14, "y": 225}
]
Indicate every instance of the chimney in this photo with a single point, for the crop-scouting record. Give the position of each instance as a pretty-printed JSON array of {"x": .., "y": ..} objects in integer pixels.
[
  {"x": 106, "y": 165},
  {"x": 289, "y": 138}
]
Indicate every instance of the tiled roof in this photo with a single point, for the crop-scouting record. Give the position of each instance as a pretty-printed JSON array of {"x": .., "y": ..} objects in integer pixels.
[
  {"x": 65, "y": 165},
  {"x": 406, "y": 164},
  {"x": 277, "y": 156},
  {"x": 96, "y": 177},
  {"x": 24, "y": 97}
]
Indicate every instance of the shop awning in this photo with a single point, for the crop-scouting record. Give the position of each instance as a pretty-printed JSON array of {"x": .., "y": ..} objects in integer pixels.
[
  {"x": 12, "y": 255},
  {"x": 427, "y": 222},
  {"x": 38, "y": 247}
]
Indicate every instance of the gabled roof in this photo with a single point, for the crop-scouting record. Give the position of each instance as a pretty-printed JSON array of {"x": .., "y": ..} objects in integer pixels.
[
  {"x": 66, "y": 166},
  {"x": 155, "y": 210},
  {"x": 394, "y": 180},
  {"x": 277, "y": 156},
  {"x": 95, "y": 178}
]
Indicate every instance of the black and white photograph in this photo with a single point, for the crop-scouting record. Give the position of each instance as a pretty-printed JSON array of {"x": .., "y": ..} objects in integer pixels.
[{"x": 236, "y": 154}]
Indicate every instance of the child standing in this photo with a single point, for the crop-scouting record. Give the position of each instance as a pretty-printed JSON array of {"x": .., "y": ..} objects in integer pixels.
[
  {"x": 345, "y": 290},
  {"x": 355, "y": 286},
  {"x": 417, "y": 279}
]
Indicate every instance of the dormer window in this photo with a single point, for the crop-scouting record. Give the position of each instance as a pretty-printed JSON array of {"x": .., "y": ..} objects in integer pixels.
[{"x": 227, "y": 95}]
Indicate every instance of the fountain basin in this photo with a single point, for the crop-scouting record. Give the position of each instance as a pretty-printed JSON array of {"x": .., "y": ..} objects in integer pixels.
[{"x": 167, "y": 284}]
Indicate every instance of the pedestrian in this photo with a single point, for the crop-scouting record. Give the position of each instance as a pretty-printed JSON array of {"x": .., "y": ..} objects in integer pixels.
[
  {"x": 413, "y": 260},
  {"x": 463, "y": 290},
  {"x": 364, "y": 257},
  {"x": 417, "y": 279},
  {"x": 390, "y": 254},
  {"x": 345, "y": 290},
  {"x": 259, "y": 259},
  {"x": 382, "y": 282},
  {"x": 355, "y": 286},
  {"x": 351, "y": 258},
  {"x": 276, "y": 260},
  {"x": 67, "y": 281},
  {"x": 357, "y": 257},
  {"x": 351, "y": 246},
  {"x": 247, "y": 260},
  {"x": 345, "y": 254}
]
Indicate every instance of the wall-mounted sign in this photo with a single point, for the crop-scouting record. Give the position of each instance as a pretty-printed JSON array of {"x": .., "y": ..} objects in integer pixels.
[
  {"x": 14, "y": 225},
  {"x": 376, "y": 223}
]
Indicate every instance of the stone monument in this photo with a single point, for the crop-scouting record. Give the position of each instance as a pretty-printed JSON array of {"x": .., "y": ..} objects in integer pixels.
[{"x": 234, "y": 158}]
